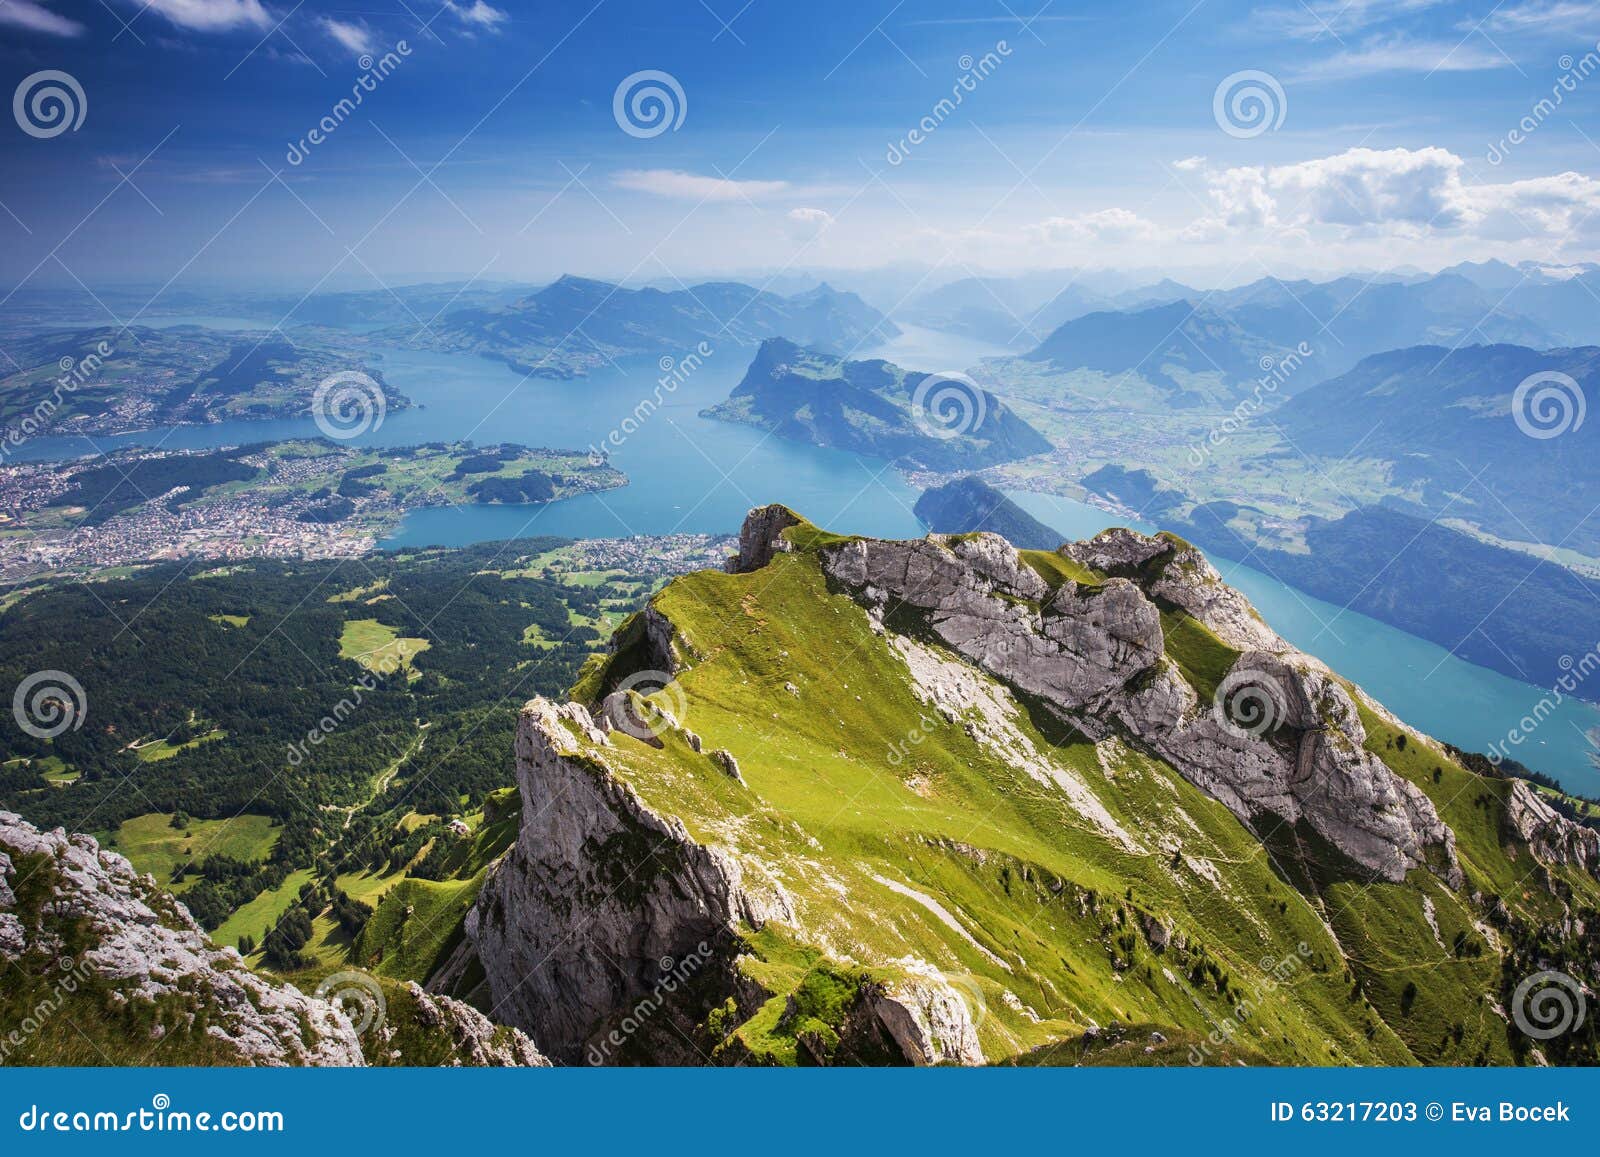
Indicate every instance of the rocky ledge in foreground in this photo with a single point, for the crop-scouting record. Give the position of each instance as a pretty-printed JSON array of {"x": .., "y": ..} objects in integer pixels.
[{"x": 100, "y": 966}]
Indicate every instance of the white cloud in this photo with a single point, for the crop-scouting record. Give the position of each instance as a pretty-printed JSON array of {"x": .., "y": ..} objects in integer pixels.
[
  {"x": 37, "y": 18},
  {"x": 1393, "y": 192},
  {"x": 357, "y": 38},
  {"x": 1332, "y": 17},
  {"x": 693, "y": 187},
  {"x": 1106, "y": 226},
  {"x": 1398, "y": 54},
  {"x": 210, "y": 15},
  {"x": 1576, "y": 16},
  {"x": 805, "y": 223},
  {"x": 478, "y": 13},
  {"x": 1189, "y": 164}
]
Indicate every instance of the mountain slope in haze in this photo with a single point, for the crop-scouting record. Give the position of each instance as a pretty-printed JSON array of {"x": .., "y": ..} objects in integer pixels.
[
  {"x": 942, "y": 801},
  {"x": 1564, "y": 299},
  {"x": 1444, "y": 419},
  {"x": 1213, "y": 349},
  {"x": 877, "y": 408},
  {"x": 575, "y": 324},
  {"x": 1193, "y": 356},
  {"x": 1450, "y": 588},
  {"x": 971, "y": 504}
]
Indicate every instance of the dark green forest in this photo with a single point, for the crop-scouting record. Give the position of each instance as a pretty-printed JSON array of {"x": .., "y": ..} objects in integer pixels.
[{"x": 184, "y": 651}]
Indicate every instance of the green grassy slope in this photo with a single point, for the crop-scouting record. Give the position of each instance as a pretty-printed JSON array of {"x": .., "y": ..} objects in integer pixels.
[{"x": 903, "y": 835}]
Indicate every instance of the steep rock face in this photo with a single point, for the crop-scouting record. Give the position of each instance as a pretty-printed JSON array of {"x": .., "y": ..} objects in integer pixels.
[
  {"x": 760, "y": 537},
  {"x": 154, "y": 953},
  {"x": 572, "y": 924},
  {"x": 1096, "y": 655},
  {"x": 601, "y": 898},
  {"x": 1552, "y": 837}
]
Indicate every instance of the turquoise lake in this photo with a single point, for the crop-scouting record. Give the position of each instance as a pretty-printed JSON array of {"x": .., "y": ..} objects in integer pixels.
[{"x": 690, "y": 474}]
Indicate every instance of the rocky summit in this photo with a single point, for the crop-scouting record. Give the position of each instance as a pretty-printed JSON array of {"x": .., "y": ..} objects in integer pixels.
[
  {"x": 947, "y": 802},
  {"x": 930, "y": 802}
]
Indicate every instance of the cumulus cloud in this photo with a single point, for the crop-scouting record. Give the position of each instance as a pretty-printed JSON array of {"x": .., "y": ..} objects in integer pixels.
[
  {"x": 37, "y": 18},
  {"x": 478, "y": 14},
  {"x": 1189, "y": 164},
  {"x": 355, "y": 37},
  {"x": 210, "y": 15},
  {"x": 1406, "y": 192},
  {"x": 1106, "y": 226},
  {"x": 694, "y": 187},
  {"x": 805, "y": 224}
]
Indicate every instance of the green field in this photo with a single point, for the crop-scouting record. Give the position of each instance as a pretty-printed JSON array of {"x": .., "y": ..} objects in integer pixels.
[
  {"x": 155, "y": 846},
  {"x": 260, "y": 914},
  {"x": 378, "y": 646}
]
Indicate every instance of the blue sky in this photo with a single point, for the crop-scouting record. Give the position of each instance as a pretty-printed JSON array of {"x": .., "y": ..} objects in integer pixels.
[{"x": 1086, "y": 134}]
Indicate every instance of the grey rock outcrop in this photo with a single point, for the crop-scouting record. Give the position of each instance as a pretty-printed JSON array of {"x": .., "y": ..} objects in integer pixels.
[
  {"x": 761, "y": 537},
  {"x": 151, "y": 951},
  {"x": 1096, "y": 654},
  {"x": 574, "y": 922},
  {"x": 476, "y": 1039},
  {"x": 1552, "y": 837},
  {"x": 1071, "y": 646}
]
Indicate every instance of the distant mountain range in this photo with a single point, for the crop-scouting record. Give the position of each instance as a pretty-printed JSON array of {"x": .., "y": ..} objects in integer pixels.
[
  {"x": 877, "y": 408},
  {"x": 1216, "y": 347},
  {"x": 1019, "y": 312},
  {"x": 1460, "y": 448},
  {"x": 575, "y": 324}
]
